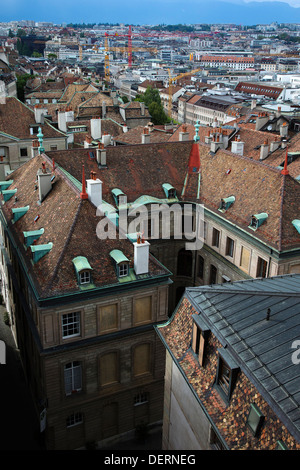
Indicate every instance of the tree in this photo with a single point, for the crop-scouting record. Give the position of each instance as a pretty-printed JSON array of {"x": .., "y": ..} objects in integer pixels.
[
  {"x": 21, "y": 82},
  {"x": 52, "y": 56},
  {"x": 152, "y": 100},
  {"x": 37, "y": 54}
]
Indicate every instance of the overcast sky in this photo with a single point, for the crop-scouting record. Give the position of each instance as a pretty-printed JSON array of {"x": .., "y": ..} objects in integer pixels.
[{"x": 135, "y": 11}]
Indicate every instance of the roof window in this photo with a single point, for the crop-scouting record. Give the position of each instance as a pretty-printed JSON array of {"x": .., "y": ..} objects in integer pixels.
[
  {"x": 32, "y": 236},
  {"x": 117, "y": 195},
  {"x": 121, "y": 263},
  {"x": 296, "y": 224},
  {"x": 38, "y": 251},
  {"x": 169, "y": 191},
  {"x": 18, "y": 212},
  {"x": 83, "y": 270},
  {"x": 226, "y": 374},
  {"x": 257, "y": 220},
  {"x": 255, "y": 419},
  {"x": 226, "y": 203}
]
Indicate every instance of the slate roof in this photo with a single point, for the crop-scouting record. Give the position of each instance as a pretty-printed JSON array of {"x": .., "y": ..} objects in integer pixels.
[
  {"x": 236, "y": 313},
  {"x": 69, "y": 223},
  {"x": 142, "y": 169},
  {"x": 16, "y": 118}
]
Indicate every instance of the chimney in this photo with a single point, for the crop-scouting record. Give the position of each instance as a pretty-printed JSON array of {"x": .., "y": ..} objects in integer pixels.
[
  {"x": 34, "y": 148},
  {"x": 94, "y": 190},
  {"x": 274, "y": 145},
  {"x": 142, "y": 109},
  {"x": 44, "y": 176},
  {"x": 264, "y": 150},
  {"x": 2, "y": 171},
  {"x": 253, "y": 104},
  {"x": 88, "y": 142},
  {"x": 141, "y": 256},
  {"x": 284, "y": 130},
  {"x": 103, "y": 110},
  {"x": 145, "y": 136},
  {"x": 96, "y": 129},
  {"x": 215, "y": 123},
  {"x": 278, "y": 114},
  {"x": 39, "y": 114},
  {"x": 69, "y": 114},
  {"x": 61, "y": 118},
  {"x": 125, "y": 129},
  {"x": 101, "y": 155},
  {"x": 283, "y": 143},
  {"x": 237, "y": 147},
  {"x": 183, "y": 134},
  {"x": 215, "y": 144},
  {"x": 106, "y": 139},
  {"x": 261, "y": 120}
]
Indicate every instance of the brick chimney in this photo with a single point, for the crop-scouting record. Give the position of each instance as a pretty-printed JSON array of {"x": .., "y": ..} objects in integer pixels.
[{"x": 145, "y": 136}]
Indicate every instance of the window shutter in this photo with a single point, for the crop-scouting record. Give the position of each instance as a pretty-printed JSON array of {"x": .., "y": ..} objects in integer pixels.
[
  {"x": 109, "y": 317},
  {"x": 143, "y": 309},
  {"x": 141, "y": 359},
  {"x": 109, "y": 368}
]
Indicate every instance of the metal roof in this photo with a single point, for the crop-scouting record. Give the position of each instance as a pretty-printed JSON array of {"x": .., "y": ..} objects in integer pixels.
[
  {"x": 81, "y": 263},
  {"x": 236, "y": 313}
]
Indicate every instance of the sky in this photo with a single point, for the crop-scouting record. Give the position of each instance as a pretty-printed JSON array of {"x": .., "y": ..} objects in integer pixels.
[{"x": 152, "y": 12}]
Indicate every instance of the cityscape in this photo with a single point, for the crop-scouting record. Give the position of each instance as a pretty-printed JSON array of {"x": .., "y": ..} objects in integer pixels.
[{"x": 150, "y": 229}]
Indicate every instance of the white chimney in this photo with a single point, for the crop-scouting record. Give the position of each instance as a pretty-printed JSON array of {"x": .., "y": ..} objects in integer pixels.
[
  {"x": 183, "y": 135},
  {"x": 237, "y": 147},
  {"x": 145, "y": 136},
  {"x": 142, "y": 109},
  {"x": 101, "y": 155},
  {"x": 274, "y": 145},
  {"x": 264, "y": 150},
  {"x": 61, "y": 119},
  {"x": 96, "y": 129},
  {"x": 39, "y": 114},
  {"x": 34, "y": 148},
  {"x": 284, "y": 130},
  {"x": 141, "y": 257},
  {"x": 2, "y": 171},
  {"x": 125, "y": 129},
  {"x": 103, "y": 110},
  {"x": 88, "y": 142},
  {"x": 106, "y": 139},
  {"x": 94, "y": 191},
  {"x": 69, "y": 115},
  {"x": 261, "y": 120},
  {"x": 44, "y": 176}
]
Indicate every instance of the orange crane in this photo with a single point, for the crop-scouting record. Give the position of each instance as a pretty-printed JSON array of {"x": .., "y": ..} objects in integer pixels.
[{"x": 171, "y": 80}]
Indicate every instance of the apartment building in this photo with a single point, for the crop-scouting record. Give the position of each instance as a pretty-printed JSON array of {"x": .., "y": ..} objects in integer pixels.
[
  {"x": 81, "y": 309},
  {"x": 228, "y": 62},
  {"x": 20, "y": 128},
  {"x": 231, "y": 367}
]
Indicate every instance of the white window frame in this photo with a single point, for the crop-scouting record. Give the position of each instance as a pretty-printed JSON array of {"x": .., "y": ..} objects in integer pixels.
[
  {"x": 70, "y": 322},
  {"x": 84, "y": 277},
  {"x": 74, "y": 419},
  {"x": 73, "y": 377},
  {"x": 123, "y": 269}
]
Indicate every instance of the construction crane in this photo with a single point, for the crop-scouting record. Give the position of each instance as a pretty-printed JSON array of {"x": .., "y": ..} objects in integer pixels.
[{"x": 173, "y": 79}]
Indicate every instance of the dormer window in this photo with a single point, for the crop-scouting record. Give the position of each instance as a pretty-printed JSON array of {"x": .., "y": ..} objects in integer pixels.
[
  {"x": 169, "y": 191},
  {"x": 83, "y": 270},
  {"x": 121, "y": 263},
  {"x": 34, "y": 130},
  {"x": 226, "y": 374},
  {"x": 85, "y": 277},
  {"x": 226, "y": 203},
  {"x": 118, "y": 195},
  {"x": 199, "y": 337},
  {"x": 257, "y": 220}
]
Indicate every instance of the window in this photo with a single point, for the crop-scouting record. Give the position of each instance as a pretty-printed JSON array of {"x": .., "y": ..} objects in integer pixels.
[
  {"x": 200, "y": 266},
  {"x": 213, "y": 274},
  {"x": 215, "y": 237},
  {"x": 140, "y": 398},
  {"x": 84, "y": 277},
  {"x": 245, "y": 259},
  {"x": 109, "y": 370},
  {"x": 227, "y": 372},
  {"x": 141, "y": 359},
  {"x": 71, "y": 324},
  {"x": 255, "y": 419},
  {"x": 261, "y": 267},
  {"x": 229, "y": 247},
  {"x": 123, "y": 269},
  {"x": 23, "y": 152},
  {"x": 215, "y": 441},
  {"x": 199, "y": 337},
  {"x": 142, "y": 310},
  {"x": 53, "y": 147},
  {"x": 108, "y": 318},
  {"x": 74, "y": 419},
  {"x": 184, "y": 263},
  {"x": 73, "y": 377}
]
